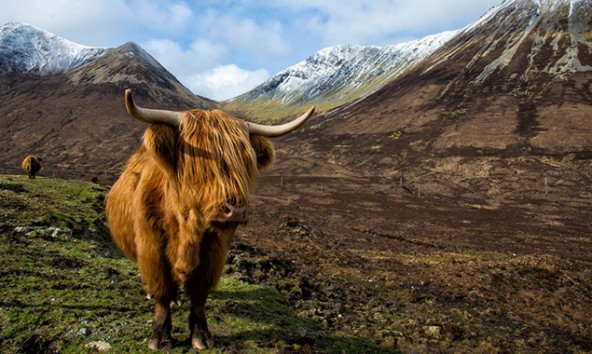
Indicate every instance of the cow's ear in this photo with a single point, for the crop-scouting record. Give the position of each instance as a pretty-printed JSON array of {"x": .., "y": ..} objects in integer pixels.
[
  {"x": 161, "y": 141},
  {"x": 264, "y": 150}
]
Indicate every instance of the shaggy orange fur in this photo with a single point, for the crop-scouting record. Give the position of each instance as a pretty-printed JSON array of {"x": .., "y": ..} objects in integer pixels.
[{"x": 166, "y": 211}]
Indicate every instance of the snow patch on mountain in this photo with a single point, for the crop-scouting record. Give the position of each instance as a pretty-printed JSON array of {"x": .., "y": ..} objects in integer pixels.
[
  {"x": 27, "y": 49},
  {"x": 344, "y": 69},
  {"x": 542, "y": 21}
]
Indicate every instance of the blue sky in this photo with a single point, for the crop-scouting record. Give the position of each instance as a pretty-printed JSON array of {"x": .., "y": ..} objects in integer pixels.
[{"x": 222, "y": 48}]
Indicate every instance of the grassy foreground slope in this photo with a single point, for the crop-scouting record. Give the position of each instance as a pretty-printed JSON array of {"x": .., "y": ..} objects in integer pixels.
[{"x": 65, "y": 288}]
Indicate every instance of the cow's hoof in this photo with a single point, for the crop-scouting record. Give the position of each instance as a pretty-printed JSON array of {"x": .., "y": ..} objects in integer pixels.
[
  {"x": 202, "y": 341},
  {"x": 156, "y": 344}
]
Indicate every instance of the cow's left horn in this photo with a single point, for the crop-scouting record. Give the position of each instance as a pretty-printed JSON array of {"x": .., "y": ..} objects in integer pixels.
[
  {"x": 278, "y": 130},
  {"x": 152, "y": 116}
]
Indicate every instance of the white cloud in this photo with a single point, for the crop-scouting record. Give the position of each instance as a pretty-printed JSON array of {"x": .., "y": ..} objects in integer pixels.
[
  {"x": 257, "y": 38},
  {"x": 380, "y": 21},
  {"x": 100, "y": 23},
  {"x": 200, "y": 56},
  {"x": 225, "y": 81},
  {"x": 85, "y": 22},
  {"x": 198, "y": 68},
  {"x": 164, "y": 16}
]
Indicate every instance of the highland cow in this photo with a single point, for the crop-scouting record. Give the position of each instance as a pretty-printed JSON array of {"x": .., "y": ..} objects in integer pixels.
[
  {"x": 177, "y": 204},
  {"x": 32, "y": 165}
]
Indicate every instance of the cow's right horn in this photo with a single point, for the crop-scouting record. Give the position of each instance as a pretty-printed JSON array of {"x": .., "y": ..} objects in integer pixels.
[
  {"x": 152, "y": 116},
  {"x": 278, "y": 130}
]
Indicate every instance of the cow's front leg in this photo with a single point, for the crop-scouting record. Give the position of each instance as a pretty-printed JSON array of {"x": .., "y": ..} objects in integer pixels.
[
  {"x": 161, "y": 326},
  {"x": 197, "y": 288},
  {"x": 155, "y": 273},
  {"x": 201, "y": 338},
  {"x": 213, "y": 248}
]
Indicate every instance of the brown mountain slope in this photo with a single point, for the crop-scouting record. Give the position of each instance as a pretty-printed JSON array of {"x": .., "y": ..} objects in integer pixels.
[
  {"x": 77, "y": 121},
  {"x": 510, "y": 94},
  {"x": 425, "y": 195}
]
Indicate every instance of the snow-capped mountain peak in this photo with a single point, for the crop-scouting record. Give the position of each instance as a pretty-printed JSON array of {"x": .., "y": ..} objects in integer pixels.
[
  {"x": 27, "y": 49},
  {"x": 339, "y": 74},
  {"x": 354, "y": 65}
]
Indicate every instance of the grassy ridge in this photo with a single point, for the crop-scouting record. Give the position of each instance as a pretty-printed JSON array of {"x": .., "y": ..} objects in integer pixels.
[
  {"x": 271, "y": 110},
  {"x": 66, "y": 288}
]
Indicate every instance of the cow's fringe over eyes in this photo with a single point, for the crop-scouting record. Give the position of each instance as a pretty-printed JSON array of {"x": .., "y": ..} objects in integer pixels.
[{"x": 215, "y": 154}]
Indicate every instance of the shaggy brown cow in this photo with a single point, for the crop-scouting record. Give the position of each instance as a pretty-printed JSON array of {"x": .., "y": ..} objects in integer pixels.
[
  {"x": 178, "y": 202},
  {"x": 31, "y": 164}
]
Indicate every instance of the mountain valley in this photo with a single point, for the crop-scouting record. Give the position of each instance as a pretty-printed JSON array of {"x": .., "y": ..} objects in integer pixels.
[{"x": 444, "y": 208}]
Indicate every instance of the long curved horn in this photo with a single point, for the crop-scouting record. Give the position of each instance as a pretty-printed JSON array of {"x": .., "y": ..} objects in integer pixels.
[
  {"x": 152, "y": 116},
  {"x": 279, "y": 130}
]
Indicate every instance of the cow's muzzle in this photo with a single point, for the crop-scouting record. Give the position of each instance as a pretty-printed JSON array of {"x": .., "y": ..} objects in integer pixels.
[{"x": 234, "y": 213}]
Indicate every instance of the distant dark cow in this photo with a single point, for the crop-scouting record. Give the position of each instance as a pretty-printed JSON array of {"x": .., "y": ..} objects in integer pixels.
[
  {"x": 31, "y": 164},
  {"x": 177, "y": 204}
]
